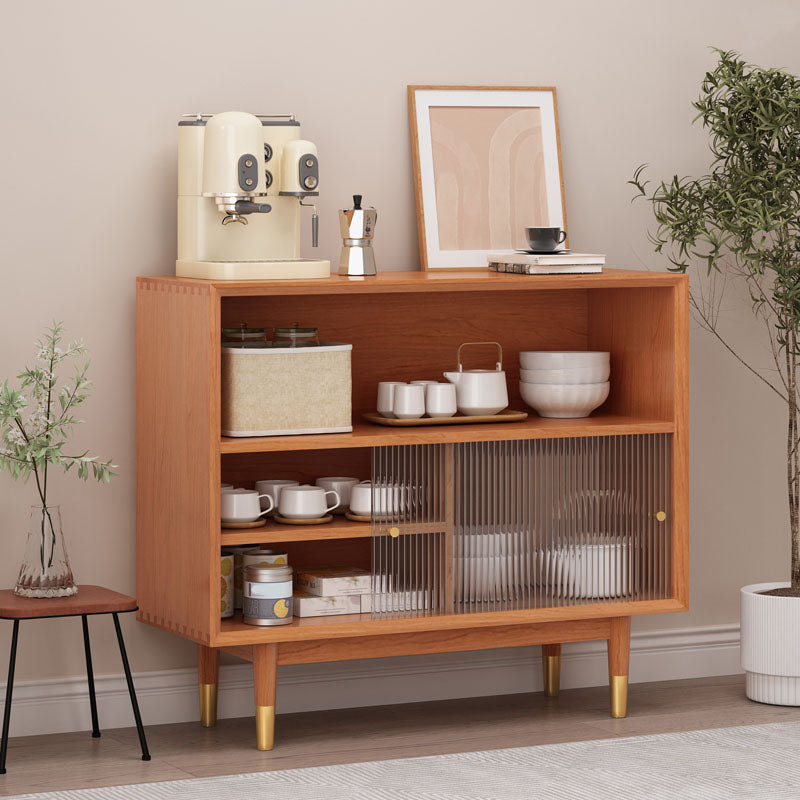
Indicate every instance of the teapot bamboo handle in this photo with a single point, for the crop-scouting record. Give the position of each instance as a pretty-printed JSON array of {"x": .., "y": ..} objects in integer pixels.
[{"x": 498, "y": 365}]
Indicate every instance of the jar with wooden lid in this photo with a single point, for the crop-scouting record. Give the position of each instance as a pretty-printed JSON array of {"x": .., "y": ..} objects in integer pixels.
[{"x": 267, "y": 595}]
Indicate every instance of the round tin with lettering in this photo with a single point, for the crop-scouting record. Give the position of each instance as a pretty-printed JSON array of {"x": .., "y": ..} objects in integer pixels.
[{"x": 267, "y": 596}]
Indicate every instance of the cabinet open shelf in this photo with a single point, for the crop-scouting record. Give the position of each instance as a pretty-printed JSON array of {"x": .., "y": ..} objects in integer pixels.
[
  {"x": 234, "y": 631},
  {"x": 340, "y": 528},
  {"x": 366, "y": 434}
]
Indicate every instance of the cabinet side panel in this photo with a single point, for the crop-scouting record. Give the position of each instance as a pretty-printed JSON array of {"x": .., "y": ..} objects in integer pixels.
[
  {"x": 680, "y": 447},
  {"x": 177, "y": 469}
]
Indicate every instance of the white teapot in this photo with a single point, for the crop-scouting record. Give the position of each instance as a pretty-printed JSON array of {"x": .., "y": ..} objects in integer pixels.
[{"x": 480, "y": 392}]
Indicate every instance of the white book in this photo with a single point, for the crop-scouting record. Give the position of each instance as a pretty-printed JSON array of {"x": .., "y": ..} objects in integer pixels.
[
  {"x": 555, "y": 269},
  {"x": 548, "y": 259}
]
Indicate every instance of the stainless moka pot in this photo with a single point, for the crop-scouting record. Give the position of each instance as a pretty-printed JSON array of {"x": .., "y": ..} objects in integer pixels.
[{"x": 358, "y": 227}]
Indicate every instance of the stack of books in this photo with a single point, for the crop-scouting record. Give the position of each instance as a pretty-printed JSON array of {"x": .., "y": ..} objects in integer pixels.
[{"x": 522, "y": 263}]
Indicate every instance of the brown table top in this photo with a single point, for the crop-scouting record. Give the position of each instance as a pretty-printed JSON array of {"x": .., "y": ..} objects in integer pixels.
[{"x": 88, "y": 600}]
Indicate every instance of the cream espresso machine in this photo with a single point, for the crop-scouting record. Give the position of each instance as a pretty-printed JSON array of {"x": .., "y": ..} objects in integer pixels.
[{"x": 242, "y": 179}]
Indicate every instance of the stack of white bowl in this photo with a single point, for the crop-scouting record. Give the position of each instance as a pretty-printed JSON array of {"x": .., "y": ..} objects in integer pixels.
[{"x": 564, "y": 384}]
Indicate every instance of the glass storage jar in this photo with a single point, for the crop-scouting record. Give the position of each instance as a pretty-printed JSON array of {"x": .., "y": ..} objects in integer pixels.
[
  {"x": 244, "y": 337},
  {"x": 295, "y": 336}
]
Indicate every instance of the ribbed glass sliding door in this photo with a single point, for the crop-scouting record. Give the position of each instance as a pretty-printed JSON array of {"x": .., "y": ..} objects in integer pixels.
[{"x": 493, "y": 526}]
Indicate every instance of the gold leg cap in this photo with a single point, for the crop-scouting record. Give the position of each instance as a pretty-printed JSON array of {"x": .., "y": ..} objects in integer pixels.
[
  {"x": 208, "y": 704},
  {"x": 265, "y": 727},
  {"x": 618, "y": 685},
  {"x": 551, "y": 670}
]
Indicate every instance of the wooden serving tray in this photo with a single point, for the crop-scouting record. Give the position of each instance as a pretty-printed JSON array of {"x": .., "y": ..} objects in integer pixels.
[{"x": 508, "y": 415}]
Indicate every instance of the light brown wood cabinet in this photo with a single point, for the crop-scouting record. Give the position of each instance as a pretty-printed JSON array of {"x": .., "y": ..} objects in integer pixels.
[{"x": 403, "y": 326}]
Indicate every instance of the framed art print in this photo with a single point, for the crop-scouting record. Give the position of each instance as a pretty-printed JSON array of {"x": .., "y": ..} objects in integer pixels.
[{"x": 487, "y": 165}]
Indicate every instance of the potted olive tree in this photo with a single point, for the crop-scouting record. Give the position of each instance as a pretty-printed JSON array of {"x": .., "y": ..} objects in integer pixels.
[
  {"x": 741, "y": 223},
  {"x": 36, "y": 421}
]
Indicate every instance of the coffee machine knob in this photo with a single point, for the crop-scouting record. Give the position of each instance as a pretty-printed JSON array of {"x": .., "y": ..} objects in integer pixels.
[{"x": 310, "y": 182}]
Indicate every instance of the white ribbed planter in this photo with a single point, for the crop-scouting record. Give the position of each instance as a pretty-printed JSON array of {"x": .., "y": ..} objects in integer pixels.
[{"x": 771, "y": 645}]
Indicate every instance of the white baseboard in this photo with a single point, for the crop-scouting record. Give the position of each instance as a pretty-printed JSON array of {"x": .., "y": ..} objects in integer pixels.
[{"x": 55, "y": 706}]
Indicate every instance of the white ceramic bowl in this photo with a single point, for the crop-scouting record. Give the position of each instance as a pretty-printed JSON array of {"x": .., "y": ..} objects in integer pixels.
[
  {"x": 598, "y": 374},
  {"x": 564, "y": 401},
  {"x": 562, "y": 359},
  {"x": 587, "y": 570}
]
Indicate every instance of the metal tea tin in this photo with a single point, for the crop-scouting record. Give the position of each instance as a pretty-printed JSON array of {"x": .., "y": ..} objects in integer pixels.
[
  {"x": 267, "y": 595},
  {"x": 256, "y": 557}
]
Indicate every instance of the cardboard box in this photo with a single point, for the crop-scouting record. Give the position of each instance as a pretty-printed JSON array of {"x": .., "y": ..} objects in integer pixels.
[
  {"x": 310, "y": 605},
  {"x": 333, "y": 581}
]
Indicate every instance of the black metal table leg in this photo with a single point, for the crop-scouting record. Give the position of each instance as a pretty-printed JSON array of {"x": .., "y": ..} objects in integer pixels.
[
  {"x": 90, "y": 676},
  {"x": 131, "y": 690},
  {"x": 12, "y": 660}
]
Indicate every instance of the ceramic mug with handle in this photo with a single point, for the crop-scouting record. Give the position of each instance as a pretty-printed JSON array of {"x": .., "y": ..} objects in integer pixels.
[
  {"x": 306, "y": 502},
  {"x": 272, "y": 487},
  {"x": 545, "y": 240},
  {"x": 384, "y": 500},
  {"x": 243, "y": 505},
  {"x": 342, "y": 486}
]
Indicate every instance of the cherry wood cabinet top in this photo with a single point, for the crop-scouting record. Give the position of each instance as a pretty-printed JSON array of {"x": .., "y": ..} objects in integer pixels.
[{"x": 438, "y": 281}]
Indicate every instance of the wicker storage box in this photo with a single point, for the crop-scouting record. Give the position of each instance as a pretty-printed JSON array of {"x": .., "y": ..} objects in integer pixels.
[{"x": 284, "y": 390}]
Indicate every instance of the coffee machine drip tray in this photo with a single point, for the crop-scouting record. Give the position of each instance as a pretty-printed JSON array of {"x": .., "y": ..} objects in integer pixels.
[{"x": 294, "y": 269}]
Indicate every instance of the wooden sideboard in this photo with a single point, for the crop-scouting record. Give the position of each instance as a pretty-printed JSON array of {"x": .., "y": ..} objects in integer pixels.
[{"x": 403, "y": 326}]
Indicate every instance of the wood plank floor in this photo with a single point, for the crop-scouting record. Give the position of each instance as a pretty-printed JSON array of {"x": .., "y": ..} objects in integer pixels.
[{"x": 75, "y": 760}]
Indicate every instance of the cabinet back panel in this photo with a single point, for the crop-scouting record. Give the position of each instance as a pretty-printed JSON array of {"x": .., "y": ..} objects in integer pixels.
[{"x": 243, "y": 469}]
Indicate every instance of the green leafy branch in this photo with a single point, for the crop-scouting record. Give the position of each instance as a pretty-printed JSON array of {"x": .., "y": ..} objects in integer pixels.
[
  {"x": 37, "y": 419},
  {"x": 741, "y": 222}
]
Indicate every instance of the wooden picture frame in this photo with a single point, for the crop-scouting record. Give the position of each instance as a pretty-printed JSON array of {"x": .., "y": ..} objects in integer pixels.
[{"x": 482, "y": 125}]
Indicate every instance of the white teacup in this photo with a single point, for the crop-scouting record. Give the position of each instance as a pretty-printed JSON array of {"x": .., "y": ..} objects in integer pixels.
[
  {"x": 386, "y": 397},
  {"x": 440, "y": 400},
  {"x": 305, "y": 502},
  {"x": 242, "y": 505},
  {"x": 423, "y": 383},
  {"x": 409, "y": 401},
  {"x": 272, "y": 487},
  {"x": 385, "y": 499},
  {"x": 342, "y": 486}
]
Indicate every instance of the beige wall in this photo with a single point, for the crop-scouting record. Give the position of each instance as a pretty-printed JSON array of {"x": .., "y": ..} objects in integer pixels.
[{"x": 90, "y": 95}]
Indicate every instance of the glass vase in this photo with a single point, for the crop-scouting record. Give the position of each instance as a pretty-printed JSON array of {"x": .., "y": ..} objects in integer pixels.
[{"x": 45, "y": 568}]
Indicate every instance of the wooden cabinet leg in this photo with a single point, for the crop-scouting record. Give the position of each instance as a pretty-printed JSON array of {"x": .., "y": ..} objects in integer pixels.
[
  {"x": 551, "y": 669},
  {"x": 265, "y": 674},
  {"x": 619, "y": 648},
  {"x": 207, "y": 682}
]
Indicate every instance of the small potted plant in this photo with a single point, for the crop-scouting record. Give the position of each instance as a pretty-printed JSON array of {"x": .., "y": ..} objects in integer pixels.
[
  {"x": 741, "y": 223},
  {"x": 36, "y": 421}
]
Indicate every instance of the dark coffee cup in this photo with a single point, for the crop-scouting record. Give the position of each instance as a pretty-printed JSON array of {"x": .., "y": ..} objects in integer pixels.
[{"x": 545, "y": 239}]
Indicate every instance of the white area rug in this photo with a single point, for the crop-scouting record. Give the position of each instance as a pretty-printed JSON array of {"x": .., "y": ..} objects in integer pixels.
[{"x": 759, "y": 762}]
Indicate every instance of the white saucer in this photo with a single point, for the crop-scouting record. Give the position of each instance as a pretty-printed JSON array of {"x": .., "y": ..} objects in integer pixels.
[{"x": 543, "y": 252}]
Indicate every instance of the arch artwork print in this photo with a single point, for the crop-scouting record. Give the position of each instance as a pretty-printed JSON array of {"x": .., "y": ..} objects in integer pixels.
[{"x": 487, "y": 166}]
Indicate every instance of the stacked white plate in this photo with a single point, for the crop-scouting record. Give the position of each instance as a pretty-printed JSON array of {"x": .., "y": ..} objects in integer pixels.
[{"x": 564, "y": 384}]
